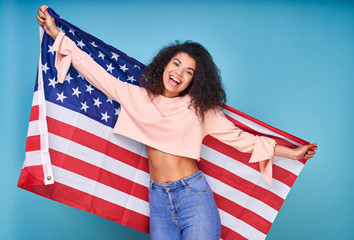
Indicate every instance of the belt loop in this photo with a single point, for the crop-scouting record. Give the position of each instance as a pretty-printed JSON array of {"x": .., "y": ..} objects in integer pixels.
[
  {"x": 184, "y": 184},
  {"x": 151, "y": 183}
]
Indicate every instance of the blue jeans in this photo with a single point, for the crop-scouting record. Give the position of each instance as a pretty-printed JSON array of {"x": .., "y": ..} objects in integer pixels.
[{"x": 184, "y": 209}]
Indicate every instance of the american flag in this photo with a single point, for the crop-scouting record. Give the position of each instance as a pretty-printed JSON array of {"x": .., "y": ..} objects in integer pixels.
[{"x": 73, "y": 157}]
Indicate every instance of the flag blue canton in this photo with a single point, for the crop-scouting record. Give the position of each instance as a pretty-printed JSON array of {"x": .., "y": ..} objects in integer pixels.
[{"x": 76, "y": 93}]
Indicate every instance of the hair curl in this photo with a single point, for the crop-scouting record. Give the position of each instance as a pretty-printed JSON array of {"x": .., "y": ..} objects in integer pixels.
[{"x": 206, "y": 89}]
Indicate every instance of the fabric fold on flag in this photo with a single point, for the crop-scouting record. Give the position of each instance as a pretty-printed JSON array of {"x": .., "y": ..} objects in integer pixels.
[{"x": 73, "y": 157}]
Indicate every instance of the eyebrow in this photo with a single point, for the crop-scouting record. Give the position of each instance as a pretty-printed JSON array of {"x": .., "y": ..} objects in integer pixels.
[{"x": 181, "y": 63}]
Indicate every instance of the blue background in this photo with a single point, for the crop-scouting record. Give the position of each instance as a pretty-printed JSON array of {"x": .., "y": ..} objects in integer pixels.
[{"x": 287, "y": 63}]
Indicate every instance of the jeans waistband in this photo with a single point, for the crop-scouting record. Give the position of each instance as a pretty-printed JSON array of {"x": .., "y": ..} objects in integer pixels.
[{"x": 177, "y": 184}]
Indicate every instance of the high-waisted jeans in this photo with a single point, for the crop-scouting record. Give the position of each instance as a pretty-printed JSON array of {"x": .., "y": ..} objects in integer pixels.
[{"x": 184, "y": 209}]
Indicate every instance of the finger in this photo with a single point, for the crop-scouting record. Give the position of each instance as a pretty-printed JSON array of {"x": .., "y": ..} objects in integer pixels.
[
  {"x": 45, "y": 11},
  {"x": 40, "y": 21},
  {"x": 311, "y": 146},
  {"x": 42, "y": 8},
  {"x": 314, "y": 146},
  {"x": 42, "y": 25},
  {"x": 310, "y": 153},
  {"x": 41, "y": 14}
]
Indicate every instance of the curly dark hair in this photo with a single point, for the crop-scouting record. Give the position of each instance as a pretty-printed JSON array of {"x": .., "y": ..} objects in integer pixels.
[{"x": 206, "y": 89}]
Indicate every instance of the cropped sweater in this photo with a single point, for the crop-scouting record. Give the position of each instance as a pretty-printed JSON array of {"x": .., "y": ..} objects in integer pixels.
[{"x": 167, "y": 124}]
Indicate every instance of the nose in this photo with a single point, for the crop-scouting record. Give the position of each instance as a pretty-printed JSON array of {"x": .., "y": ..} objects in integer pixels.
[{"x": 179, "y": 72}]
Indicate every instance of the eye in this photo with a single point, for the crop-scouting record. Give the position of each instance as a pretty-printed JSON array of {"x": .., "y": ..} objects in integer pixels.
[
  {"x": 189, "y": 72},
  {"x": 176, "y": 64}
]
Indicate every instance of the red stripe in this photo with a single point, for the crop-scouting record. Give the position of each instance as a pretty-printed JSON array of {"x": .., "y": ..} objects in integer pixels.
[
  {"x": 34, "y": 113},
  {"x": 81, "y": 200},
  {"x": 101, "y": 145},
  {"x": 279, "y": 173},
  {"x": 97, "y": 143},
  {"x": 276, "y": 130},
  {"x": 31, "y": 175},
  {"x": 243, "y": 214},
  {"x": 33, "y": 143},
  {"x": 279, "y": 140},
  {"x": 98, "y": 174},
  {"x": 114, "y": 151},
  {"x": 247, "y": 187},
  {"x": 247, "y": 128},
  {"x": 227, "y": 233}
]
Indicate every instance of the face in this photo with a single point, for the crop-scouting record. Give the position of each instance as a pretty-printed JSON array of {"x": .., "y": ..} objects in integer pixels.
[{"x": 178, "y": 74}]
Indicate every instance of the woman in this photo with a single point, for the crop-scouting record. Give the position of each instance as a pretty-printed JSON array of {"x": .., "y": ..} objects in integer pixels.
[{"x": 171, "y": 112}]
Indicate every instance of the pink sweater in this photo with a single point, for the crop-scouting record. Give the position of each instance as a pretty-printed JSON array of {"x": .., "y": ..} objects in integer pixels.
[{"x": 166, "y": 124}]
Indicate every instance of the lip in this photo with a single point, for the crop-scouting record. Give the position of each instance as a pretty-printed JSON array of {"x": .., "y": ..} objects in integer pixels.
[
  {"x": 172, "y": 83},
  {"x": 176, "y": 79}
]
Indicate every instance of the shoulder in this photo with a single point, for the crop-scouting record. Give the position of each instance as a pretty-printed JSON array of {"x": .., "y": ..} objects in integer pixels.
[
  {"x": 214, "y": 113},
  {"x": 130, "y": 92}
]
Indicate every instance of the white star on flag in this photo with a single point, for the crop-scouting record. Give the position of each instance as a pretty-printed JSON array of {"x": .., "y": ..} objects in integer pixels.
[
  {"x": 61, "y": 29},
  {"x": 109, "y": 100},
  {"x": 101, "y": 55},
  {"x": 52, "y": 82},
  {"x": 123, "y": 68},
  {"x": 44, "y": 68},
  {"x": 51, "y": 50},
  {"x": 81, "y": 44},
  {"x": 131, "y": 78},
  {"x": 61, "y": 96},
  {"x": 116, "y": 111},
  {"x": 97, "y": 102},
  {"x": 89, "y": 88},
  {"x": 115, "y": 56},
  {"x": 109, "y": 68},
  {"x": 80, "y": 76},
  {"x": 84, "y": 106},
  {"x": 105, "y": 116},
  {"x": 72, "y": 31},
  {"x": 68, "y": 78},
  {"x": 94, "y": 44},
  {"x": 76, "y": 91}
]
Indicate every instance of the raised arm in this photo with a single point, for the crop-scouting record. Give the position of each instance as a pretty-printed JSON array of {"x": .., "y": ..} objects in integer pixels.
[
  {"x": 68, "y": 53},
  {"x": 263, "y": 149}
]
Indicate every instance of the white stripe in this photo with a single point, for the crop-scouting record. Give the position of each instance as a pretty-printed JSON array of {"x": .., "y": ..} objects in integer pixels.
[
  {"x": 256, "y": 126},
  {"x": 35, "y": 99},
  {"x": 100, "y": 190},
  {"x": 71, "y": 117},
  {"x": 33, "y": 158},
  {"x": 290, "y": 165},
  {"x": 240, "y": 227},
  {"x": 98, "y": 159},
  {"x": 244, "y": 171},
  {"x": 242, "y": 199},
  {"x": 33, "y": 128},
  {"x": 293, "y": 166},
  {"x": 47, "y": 170}
]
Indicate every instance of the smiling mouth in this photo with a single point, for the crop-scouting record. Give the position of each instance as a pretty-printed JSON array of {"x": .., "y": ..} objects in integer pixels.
[{"x": 174, "y": 79}]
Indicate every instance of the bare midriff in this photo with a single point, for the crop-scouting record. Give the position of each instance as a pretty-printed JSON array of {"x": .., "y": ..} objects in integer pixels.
[{"x": 165, "y": 168}]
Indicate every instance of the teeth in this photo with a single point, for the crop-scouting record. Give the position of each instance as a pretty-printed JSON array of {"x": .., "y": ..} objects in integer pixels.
[{"x": 174, "y": 79}]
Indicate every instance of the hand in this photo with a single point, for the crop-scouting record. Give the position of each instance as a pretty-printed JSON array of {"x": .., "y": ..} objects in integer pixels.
[
  {"x": 305, "y": 151},
  {"x": 47, "y": 22}
]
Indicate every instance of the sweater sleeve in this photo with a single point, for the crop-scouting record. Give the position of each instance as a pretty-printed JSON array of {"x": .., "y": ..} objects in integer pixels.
[
  {"x": 68, "y": 53},
  {"x": 262, "y": 148}
]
